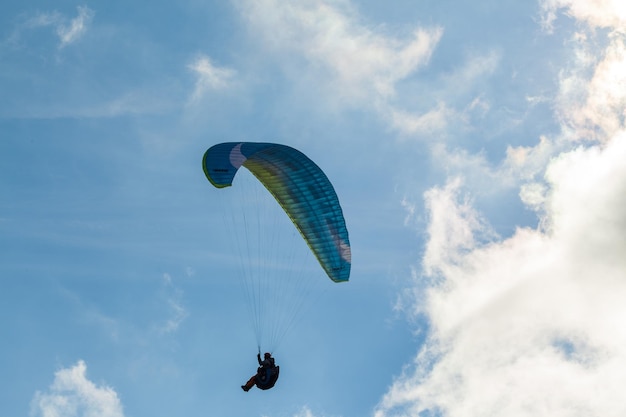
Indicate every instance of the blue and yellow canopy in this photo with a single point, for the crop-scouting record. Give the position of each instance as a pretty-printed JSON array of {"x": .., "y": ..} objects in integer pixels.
[{"x": 300, "y": 187}]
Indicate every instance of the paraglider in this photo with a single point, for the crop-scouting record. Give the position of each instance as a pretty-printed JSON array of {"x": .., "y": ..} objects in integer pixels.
[
  {"x": 305, "y": 194},
  {"x": 266, "y": 374}
]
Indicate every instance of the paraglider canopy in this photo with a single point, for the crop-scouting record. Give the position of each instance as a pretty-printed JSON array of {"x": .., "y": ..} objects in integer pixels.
[{"x": 300, "y": 187}]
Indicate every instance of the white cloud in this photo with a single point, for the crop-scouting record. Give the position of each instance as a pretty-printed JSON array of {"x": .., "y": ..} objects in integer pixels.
[
  {"x": 442, "y": 117},
  {"x": 521, "y": 164},
  {"x": 590, "y": 105},
  {"x": 592, "y": 99},
  {"x": 451, "y": 227},
  {"x": 68, "y": 32},
  {"x": 354, "y": 64},
  {"x": 177, "y": 311},
  {"x": 209, "y": 77},
  {"x": 361, "y": 62},
  {"x": 43, "y": 20},
  {"x": 596, "y": 13},
  {"x": 526, "y": 162},
  {"x": 533, "y": 194},
  {"x": 428, "y": 123},
  {"x": 72, "y": 395},
  {"x": 76, "y": 28},
  {"x": 304, "y": 412},
  {"x": 473, "y": 69},
  {"x": 598, "y": 82},
  {"x": 531, "y": 325}
]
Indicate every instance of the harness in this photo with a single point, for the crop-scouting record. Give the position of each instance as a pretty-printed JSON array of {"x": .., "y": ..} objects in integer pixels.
[{"x": 266, "y": 378}]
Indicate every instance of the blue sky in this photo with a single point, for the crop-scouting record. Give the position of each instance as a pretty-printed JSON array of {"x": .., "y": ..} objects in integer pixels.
[{"x": 477, "y": 151}]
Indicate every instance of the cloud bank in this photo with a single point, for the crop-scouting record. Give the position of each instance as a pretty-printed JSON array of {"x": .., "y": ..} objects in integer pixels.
[{"x": 532, "y": 325}]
